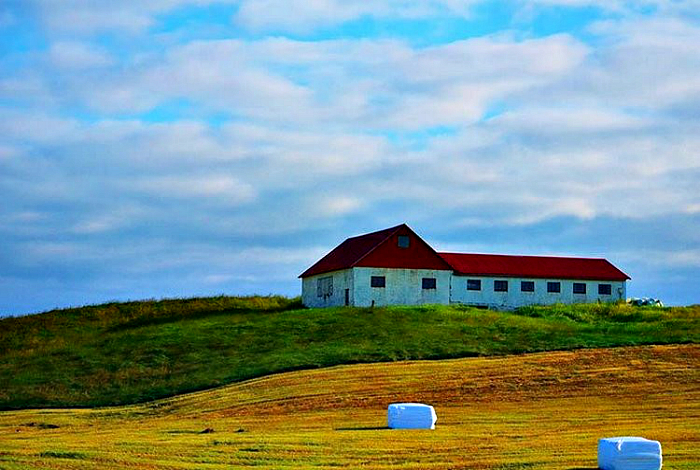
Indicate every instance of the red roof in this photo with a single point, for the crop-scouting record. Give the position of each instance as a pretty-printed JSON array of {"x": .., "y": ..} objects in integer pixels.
[
  {"x": 534, "y": 266},
  {"x": 380, "y": 250}
]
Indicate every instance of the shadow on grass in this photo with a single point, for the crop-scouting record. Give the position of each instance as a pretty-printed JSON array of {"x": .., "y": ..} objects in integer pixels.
[
  {"x": 184, "y": 314},
  {"x": 365, "y": 428}
]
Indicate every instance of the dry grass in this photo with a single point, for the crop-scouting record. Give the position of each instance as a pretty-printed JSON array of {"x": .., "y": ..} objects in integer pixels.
[{"x": 543, "y": 410}]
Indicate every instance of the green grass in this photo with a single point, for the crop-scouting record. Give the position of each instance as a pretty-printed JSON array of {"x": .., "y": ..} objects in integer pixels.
[{"x": 122, "y": 353}]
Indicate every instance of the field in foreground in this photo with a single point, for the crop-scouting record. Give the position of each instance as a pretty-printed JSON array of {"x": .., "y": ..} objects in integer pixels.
[
  {"x": 536, "y": 411},
  {"x": 122, "y": 353}
]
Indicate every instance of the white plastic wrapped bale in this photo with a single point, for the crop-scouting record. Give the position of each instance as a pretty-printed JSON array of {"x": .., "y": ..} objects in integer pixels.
[
  {"x": 411, "y": 416},
  {"x": 629, "y": 453}
]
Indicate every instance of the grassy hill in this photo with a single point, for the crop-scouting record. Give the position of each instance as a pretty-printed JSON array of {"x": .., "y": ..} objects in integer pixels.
[
  {"x": 122, "y": 353},
  {"x": 523, "y": 412}
]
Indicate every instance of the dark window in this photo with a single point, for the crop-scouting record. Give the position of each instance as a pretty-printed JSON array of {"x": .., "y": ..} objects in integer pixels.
[
  {"x": 527, "y": 286},
  {"x": 378, "y": 281},
  {"x": 429, "y": 283},
  {"x": 404, "y": 241},
  {"x": 473, "y": 284},
  {"x": 324, "y": 287},
  {"x": 500, "y": 286},
  {"x": 554, "y": 287},
  {"x": 579, "y": 288},
  {"x": 604, "y": 289}
]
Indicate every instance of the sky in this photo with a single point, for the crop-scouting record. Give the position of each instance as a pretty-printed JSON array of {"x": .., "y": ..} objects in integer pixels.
[{"x": 179, "y": 148}]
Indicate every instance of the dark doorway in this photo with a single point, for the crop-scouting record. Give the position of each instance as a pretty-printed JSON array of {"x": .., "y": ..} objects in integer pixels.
[{"x": 347, "y": 297}]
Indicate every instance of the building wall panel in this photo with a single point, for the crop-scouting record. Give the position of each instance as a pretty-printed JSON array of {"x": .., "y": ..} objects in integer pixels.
[
  {"x": 342, "y": 280},
  {"x": 515, "y": 298},
  {"x": 403, "y": 287}
]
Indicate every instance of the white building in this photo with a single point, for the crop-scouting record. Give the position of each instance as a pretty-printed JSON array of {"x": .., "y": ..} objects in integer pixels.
[{"x": 396, "y": 267}]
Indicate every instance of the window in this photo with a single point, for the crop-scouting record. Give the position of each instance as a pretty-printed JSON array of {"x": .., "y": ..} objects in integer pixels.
[
  {"x": 324, "y": 287},
  {"x": 473, "y": 284},
  {"x": 579, "y": 288},
  {"x": 554, "y": 287},
  {"x": 500, "y": 286},
  {"x": 378, "y": 281},
  {"x": 429, "y": 283},
  {"x": 527, "y": 286},
  {"x": 604, "y": 289},
  {"x": 404, "y": 241}
]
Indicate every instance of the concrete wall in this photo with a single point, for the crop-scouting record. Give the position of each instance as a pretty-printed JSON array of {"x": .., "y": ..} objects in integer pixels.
[
  {"x": 342, "y": 280},
  {"x": 515, "y": 298},
  {"x": 403, "y": 287}
]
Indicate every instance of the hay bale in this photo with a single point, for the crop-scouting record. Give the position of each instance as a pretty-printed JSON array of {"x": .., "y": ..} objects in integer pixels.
[
  {"x": 629, "y": 453},
  {"x": 411, "y": 416}
]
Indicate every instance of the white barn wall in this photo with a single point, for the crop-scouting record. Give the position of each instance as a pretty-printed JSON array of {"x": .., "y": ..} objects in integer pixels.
[
  {"x": 515, "y": 298},
  {"x": 342, "y": 280},
  {"x": 403, "y": 287}
]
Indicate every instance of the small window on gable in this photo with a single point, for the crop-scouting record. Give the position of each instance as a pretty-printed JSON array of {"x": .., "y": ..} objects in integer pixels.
[
  {"x": 604, "y": 289},
  {"x": 579, "y": 287},
  {"x": 527, "y": 286},
  {"x": 473, "y": 284},
  {"x": 554, "y": 287},
  {"x": 378, "y": 281},
  {"x": 500, "y": 286},
  {"x": 404, "y": 241},
  {"x": 429, "y": 283}
]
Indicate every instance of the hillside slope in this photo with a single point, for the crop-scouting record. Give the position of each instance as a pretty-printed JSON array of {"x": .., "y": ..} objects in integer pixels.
[
  {"x": 534, "y": 411},
  {"x": 133, "y": 352}
]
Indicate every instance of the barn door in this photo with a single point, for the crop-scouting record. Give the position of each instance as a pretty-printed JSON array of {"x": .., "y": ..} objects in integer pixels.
[{"x": 347, "y": 297}]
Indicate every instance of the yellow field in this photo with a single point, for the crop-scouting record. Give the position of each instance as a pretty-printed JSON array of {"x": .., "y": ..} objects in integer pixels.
[{"x": 520, "y": 412}]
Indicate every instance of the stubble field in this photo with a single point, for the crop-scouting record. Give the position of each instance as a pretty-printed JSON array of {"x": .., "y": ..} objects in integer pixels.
[{"x": 543, "y": 410}]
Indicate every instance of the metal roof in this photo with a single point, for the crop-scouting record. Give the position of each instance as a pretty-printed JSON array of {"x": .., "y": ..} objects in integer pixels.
[
  {"x": 551, "y": 267},
  {"x": 372, "y": 250}
]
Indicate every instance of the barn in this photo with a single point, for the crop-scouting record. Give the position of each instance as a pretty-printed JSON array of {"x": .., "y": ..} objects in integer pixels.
[{"x": 395, "y": 266}]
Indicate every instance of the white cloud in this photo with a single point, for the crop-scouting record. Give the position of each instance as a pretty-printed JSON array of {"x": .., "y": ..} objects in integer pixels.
[
  {"x": 78, "y": 55},
  {"x": 646, "y": 63},
  {"x": 340, "y": 83},
  {"x": 675, "y": 258},
  {"x": 574, "y": 119},
  {"x": 266, "y": 15},
  {"x": 115, "y": 218},
  {"x": 35, "y": 127},
  {"x": 274, "y": 141},
  {"x": 226, "y": 189},
  {"x": 334, "y": 206},
  {"x": 7, "y": 19},
  {"x": 28, "y": 87},
  {"x": 7, "y": 152},
  {"x": 94, "y": 16}
]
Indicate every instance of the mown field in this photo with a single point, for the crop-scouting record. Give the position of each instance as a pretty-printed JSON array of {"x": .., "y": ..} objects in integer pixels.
[
  {"x": 122, "y": 353},
  {"x": 533, "y": 411}
]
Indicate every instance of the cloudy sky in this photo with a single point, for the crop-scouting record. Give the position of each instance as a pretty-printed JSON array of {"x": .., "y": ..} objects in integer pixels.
[{"x": 176, "y": 148}]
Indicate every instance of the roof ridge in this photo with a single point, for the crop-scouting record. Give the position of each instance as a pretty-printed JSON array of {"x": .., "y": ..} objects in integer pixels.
[
  {"x": 375, "y": 232},
  {"x": 391, "y": 231},
  {"x": 520, "y": 256}
]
